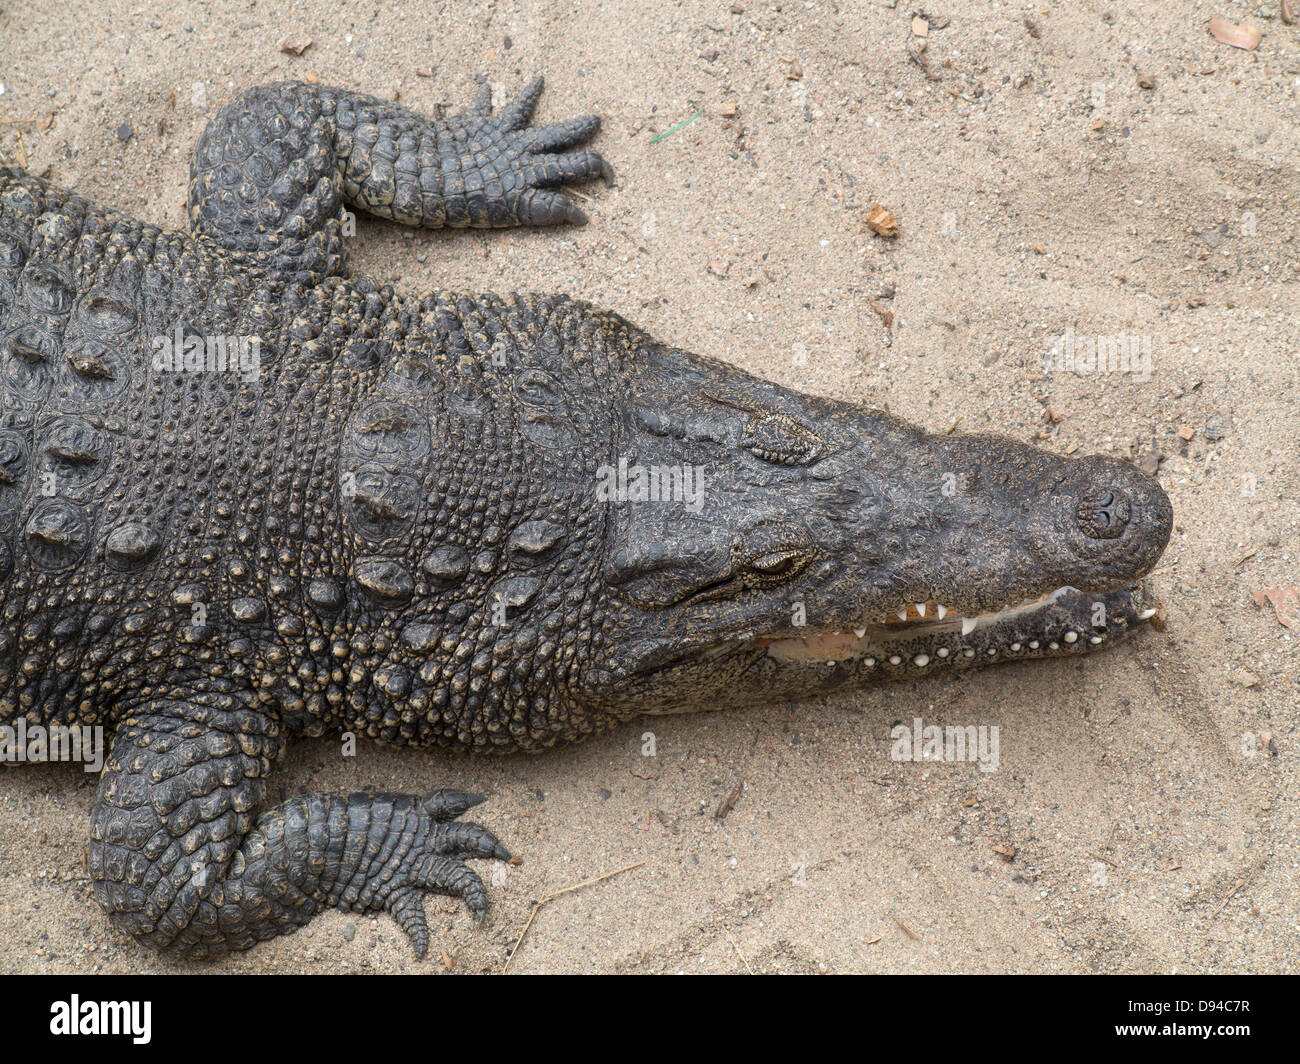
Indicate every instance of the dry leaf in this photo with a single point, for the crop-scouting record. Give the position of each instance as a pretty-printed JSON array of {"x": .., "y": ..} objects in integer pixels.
[
  {"x": 729, "y": 802},
  {"x": 1285, "y": 602},
  {"x": 667, "y": 821},
  {"x": 886, "y": 315},
  {"x": 881, "y": 221},
  {"x": 295, "y": 44},
  {"x": 1226, "y": 32}
]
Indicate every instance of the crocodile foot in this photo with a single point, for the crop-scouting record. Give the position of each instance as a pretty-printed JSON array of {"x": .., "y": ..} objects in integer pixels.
[
  {"x": 526, "y": 163},
  {"x": 181, "y": 859},
  {"x": 434, "y": 862}
]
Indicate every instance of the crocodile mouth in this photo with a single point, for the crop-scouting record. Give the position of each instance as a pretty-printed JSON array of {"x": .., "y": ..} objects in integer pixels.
[{"x": 1064, "y": 621}]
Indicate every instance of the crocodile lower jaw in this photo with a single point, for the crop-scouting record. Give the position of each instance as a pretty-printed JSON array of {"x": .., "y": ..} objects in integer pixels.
[{"x": 907, "y": 632}]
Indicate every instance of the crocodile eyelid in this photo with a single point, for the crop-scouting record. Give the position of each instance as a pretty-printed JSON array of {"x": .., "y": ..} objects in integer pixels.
[
  {"x": 774, "y": 567},
  {"x": 781, "y": 440},
  {"x": 772, "y": 436},
  {"x": 773, "y": 563}
]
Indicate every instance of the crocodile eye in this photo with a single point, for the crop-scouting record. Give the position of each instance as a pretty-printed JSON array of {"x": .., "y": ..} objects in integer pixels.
[
  {"x": 777, "y": 564},
  {"x": 772, "y": 552}
]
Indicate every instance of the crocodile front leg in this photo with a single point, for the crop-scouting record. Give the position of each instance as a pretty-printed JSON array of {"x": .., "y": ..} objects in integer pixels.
[
  {"x": 273, "y": 171},
  {"x": 181, "y": 860}
]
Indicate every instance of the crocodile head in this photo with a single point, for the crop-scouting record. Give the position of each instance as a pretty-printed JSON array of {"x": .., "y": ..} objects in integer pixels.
[{"x": 759, "y": 543}]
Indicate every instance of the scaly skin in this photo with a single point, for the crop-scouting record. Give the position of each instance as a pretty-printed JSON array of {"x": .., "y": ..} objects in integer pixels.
[{"x": 393, "y": 527}]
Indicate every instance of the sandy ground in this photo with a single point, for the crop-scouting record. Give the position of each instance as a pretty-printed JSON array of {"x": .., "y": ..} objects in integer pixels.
[{"x": 1040, "y": 187}]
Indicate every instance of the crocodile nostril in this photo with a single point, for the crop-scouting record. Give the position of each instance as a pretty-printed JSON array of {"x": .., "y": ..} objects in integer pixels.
[{"x": 1103, "y": 513}]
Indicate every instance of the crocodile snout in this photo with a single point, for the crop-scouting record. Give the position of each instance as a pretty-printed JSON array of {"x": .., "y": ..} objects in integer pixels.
[
  {"x": 1121, "y": 520},
  {"x": 1103, "y": 513}
]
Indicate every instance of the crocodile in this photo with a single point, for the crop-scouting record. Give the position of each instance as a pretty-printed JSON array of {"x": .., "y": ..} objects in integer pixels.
[{"x": 246, "y": 497}]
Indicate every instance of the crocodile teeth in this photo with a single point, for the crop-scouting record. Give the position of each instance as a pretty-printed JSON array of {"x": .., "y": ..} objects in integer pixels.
[{"x": 848, "y": 643}]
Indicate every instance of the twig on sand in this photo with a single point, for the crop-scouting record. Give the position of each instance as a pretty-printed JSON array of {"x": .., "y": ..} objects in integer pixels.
[
  {"x": 738, "y": 953},
  {"x": 906, "y": 930},
  {"x": 1231, "y": 894},
  {"x": 551, "y": 897}
]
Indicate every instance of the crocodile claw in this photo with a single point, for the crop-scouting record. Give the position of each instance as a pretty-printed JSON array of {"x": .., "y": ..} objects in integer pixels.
[{"x": 435, "y": 864}]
